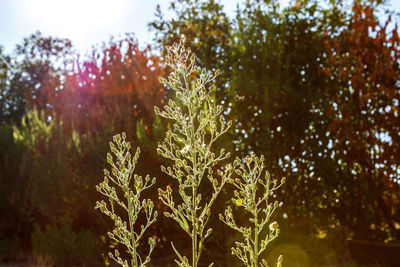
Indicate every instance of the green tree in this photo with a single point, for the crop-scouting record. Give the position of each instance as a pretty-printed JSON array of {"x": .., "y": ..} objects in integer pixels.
[
  {"x": 290, "y": 101},
  {"x": 33, "y": 75},
  {"x": 10, "y": 101},
  {"x": 47, "y": 177},
  {"x": 43, "y": 63}
]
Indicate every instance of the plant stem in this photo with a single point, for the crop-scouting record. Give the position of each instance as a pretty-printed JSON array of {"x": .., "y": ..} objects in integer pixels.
[
  {"x": 194, "y": 230},
  {"x": 194, "y": 190},
  {"x": 255, "y": 213},
  {"x": 134, "y": 259},
  {"x": 255, "y": 239}
]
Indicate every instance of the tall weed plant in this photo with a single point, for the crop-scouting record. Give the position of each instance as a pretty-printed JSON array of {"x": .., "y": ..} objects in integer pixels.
[
  {"x": 196, "y": 122},
  {"x": 116, "y": 184}
]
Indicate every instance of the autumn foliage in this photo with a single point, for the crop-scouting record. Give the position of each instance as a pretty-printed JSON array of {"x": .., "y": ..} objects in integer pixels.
[
  {"x": 118, "y": 83},
  {"x": 363, "y": 116}
]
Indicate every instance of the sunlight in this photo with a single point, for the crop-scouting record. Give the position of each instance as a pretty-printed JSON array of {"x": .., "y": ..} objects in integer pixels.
[{"x": 75, "y": 19}]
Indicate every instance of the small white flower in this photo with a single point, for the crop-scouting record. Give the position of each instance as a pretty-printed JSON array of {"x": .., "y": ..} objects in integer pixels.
[
  {"x": 185, "y": 149},
  {"x": 273, "y": 226}
]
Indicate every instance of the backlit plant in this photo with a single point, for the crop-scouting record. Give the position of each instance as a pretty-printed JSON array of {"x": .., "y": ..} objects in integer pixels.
[
  {"x": 247, "y": 196},
  {"x": 122, "y": 172},
  {"x": 197, "y": 122}
]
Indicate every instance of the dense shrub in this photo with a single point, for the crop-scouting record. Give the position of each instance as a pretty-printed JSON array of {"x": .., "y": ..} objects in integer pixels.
[{"x": 62, "y": 245}]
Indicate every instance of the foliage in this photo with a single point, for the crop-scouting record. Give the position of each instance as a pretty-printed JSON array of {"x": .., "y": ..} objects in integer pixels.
[
  {"x": 292, "y": 80},
  {"x": 33, "y": 75},
  {"x": 122, "y": 173},
  {"x": 118, "y": 81},
  {"x": 46, "y": 174},
  {"x": 62, "y": 244},
  {"x": 363, "y": 123},
  {"x": 54, "y": 145},
  {"x": 9, "y": 100},
  {"x": 49, "y": 161},
  {"x": 248, "y": 197},
  {"x": 42, "y": 64}
]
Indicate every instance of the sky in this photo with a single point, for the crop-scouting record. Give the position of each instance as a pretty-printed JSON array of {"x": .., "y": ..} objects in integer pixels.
[{"x": 85, "y": 22}]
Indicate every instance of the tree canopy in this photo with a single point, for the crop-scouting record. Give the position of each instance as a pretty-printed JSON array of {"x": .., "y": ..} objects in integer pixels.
[{"x": 314, "y": 86}]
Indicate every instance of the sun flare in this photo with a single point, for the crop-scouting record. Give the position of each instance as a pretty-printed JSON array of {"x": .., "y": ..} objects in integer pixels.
[{"x": 75, "y": 18}]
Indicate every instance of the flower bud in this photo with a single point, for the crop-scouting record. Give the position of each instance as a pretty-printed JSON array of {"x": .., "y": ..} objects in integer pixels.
[{"x": 273, "y": 226}]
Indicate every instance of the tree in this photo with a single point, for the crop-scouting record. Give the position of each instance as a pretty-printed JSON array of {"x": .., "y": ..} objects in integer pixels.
[
  {"x": 288, "y": 90},
  {"x": 42, "y": 63},
  {"x": 9, "y": 101},
  {"x": 363, "y": 123},
  {"x": 205, "y": 26},
  {"x": 118, "y": 82},
  {"x": 51, "y": 157}
]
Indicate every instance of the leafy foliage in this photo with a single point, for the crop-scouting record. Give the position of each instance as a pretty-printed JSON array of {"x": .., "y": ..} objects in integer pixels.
[
  {"x": 118, "y": 82},
  {"x": 52, "y": 137},
  {"x": 41, "y": 66},
  {"x": 62, "y": 244},
  {"x": 363, "y": 122},
  {"x": 11, "y": 101},
  {"x": 308, "y": 86},
  {"x": 38, "y": 159}
]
